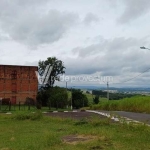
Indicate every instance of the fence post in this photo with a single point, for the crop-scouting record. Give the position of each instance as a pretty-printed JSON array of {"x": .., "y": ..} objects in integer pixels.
[
  {"x": 0, "y": 103},
  {"x": 9, "y": 105},
  {"x": 14, "y": 106},
  {"x": 19, "y": 105},
  {"x": 29, "y": 105}
]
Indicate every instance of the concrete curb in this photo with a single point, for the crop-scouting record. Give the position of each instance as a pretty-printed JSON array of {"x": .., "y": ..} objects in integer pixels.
[
  {"x": 115, "y": 118},
  {"x": 8, "y": 113},
  {"x": 45, "y": 112}
]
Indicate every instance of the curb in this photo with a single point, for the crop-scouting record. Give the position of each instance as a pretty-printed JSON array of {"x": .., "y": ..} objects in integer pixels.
[
  {"x": 44, "y": 112},
  {"x": 115, "y": 118}
]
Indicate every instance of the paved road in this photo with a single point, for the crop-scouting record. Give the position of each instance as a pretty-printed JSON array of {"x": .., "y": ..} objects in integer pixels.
[
  {"x": 135, "y": 116},
  {"x": 141, "y": 117},
  {"x": 74, "y": 115}
]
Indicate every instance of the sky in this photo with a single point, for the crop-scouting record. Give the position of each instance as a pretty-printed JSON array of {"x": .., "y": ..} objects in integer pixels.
[{"x": 98, "y": 40}]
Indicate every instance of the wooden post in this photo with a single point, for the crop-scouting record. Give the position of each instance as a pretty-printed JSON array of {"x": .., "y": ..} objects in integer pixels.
[
  {"x": 9, "y": 105},
  {"x": 0, "y": 103},
  {"x": 19, "y": 105},
  {"x": 29, "y": 105}
]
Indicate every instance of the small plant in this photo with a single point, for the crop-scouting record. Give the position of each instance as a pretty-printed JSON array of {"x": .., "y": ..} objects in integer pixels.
[{"x": 99, "y": 122}]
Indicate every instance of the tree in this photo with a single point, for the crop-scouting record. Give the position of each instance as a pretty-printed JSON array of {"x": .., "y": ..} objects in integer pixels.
[
  {"x": 57, "y": 70},
  {"x": 42, "y": 97},
  {"x": 88, "y": 92},
  {"x": 96, "y": 99},
  {"x": 52, "y": 97},
  {"x": 58, "y": 97},
  {"x": 79, "y": 99}
]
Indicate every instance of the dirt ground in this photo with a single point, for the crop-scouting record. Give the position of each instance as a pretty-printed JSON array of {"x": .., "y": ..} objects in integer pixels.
[
  {"x": 74, "y": 139},
  {"x": 74, "y": 115}
]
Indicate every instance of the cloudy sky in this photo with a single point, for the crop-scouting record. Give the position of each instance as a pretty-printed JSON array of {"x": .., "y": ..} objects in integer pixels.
[{"x": 92, "y": 37}]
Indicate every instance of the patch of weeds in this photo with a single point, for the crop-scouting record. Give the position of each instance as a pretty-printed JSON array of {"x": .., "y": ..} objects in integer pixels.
[
  {"x": 81, "y": 122},
  {"x": 96, "y": 147},
  {"x": 138, "y": 127},
  {"x": 51, "y": 139},
  {"x": 61, "y": 129},
  {"x": 93, "y": 121},
  {"x": 28, "y": 116},
  {"x": 37, "y": 115},
  {"x": 98, "y": 122},
  {"x": 74, "y": 131}
]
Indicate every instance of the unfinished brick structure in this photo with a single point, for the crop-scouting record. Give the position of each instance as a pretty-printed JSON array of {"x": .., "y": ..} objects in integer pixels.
[{"x": 18, "y": 82}]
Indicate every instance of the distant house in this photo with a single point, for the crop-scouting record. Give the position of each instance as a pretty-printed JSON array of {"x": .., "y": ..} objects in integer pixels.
[{"x": 18, "y": 82}]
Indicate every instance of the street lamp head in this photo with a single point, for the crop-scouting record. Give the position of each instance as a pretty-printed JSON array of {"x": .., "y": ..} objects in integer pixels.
[{"x": 143, "y": 47}]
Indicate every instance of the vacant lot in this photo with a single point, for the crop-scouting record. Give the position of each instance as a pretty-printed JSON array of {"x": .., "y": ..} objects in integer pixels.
[{"x": 31, "y": 131}]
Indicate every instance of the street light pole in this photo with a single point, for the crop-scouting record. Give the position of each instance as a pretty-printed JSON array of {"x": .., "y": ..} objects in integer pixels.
[{"x": 143, "y": 47}]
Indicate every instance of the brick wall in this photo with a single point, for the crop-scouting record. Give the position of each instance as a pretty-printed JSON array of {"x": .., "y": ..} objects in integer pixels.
[{"x": 18, "y": 82}]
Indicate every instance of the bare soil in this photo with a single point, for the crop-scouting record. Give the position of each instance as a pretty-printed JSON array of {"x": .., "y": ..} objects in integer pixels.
[{"x": 74, "y": 139}]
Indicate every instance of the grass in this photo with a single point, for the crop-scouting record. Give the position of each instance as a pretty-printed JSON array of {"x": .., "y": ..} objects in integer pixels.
[
  {"x": 90, "y": 98},
  {"x": 134, "y": 104},
  {"x": 15, "y": 108},
  {"x": 5, "y": 108},
  {"x": 46, "y": 133}
]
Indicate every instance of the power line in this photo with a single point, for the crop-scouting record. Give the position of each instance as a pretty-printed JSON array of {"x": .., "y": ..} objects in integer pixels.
[
  {"x": 129, "y": 79},
  {"x": 134, "y": 77}
]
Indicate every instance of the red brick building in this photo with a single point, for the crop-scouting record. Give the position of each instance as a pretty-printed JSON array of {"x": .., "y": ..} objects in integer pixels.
[{"x": 18, "y": 82}]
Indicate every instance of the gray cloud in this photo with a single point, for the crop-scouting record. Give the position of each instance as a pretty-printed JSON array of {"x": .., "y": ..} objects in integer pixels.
[
  {"x": 117, "y": 45},
  {"x": 55, "y": 29},
  {"x": 90, "y": 18},
  {"x": 110, "y": 57},
  {"x": 4, "y": 37},
  {"x": 29, "y": 2},
  {"x": 30, "y": 26},
  {"x": 134, "y": 9}
]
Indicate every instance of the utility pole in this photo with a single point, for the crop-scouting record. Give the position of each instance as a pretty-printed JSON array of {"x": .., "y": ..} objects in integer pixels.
[
  {"x": 107, "y": 90},
  {"x": 66, "y": 93},
  {"x": 71, "y": 98},
  {"x": 66, "y": 86}
]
